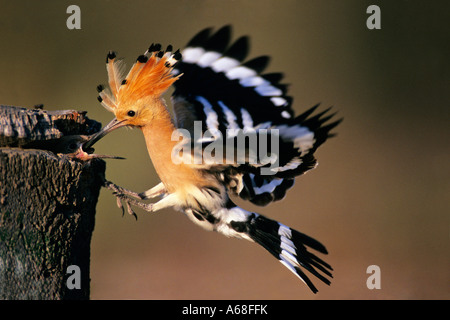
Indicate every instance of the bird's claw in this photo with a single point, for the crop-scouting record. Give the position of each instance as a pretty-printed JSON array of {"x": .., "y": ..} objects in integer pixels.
[
  {"x": 119, "y": 190},
  {"x": 129, "y": 202},
  {"x": 131, "y": 211},
  {"x": 122, "y": 197}
]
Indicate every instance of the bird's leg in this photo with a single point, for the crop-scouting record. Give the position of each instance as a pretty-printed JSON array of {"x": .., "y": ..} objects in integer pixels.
[
  {"x": 119, "y": 190},
  {"x": 123, "y": 194},
  {"x": 132, "y": 198},
  {"x": 157, "y": 190},
  {"x": 168, "y": 201}
]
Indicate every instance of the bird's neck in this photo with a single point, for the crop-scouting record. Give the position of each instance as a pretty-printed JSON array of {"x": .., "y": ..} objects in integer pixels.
[{"x": 158, "y": 136}]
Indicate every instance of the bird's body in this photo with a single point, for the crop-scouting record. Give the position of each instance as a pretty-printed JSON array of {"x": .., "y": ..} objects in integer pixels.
[{"x": 227, "y": 97}]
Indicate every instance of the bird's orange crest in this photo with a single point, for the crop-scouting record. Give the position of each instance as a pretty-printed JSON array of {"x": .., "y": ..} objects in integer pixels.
[{"x": 150, "y": 76}]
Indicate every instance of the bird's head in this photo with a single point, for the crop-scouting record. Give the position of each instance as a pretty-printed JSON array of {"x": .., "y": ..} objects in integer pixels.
[{"x": 135, "y": 99}]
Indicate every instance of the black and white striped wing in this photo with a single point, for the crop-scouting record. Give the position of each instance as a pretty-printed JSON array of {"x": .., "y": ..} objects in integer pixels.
[{"x": 228, "y": 93}]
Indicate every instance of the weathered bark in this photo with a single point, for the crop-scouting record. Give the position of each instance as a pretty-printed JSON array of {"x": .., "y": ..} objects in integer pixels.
[
  {"x": 27, "y": 128},
  {"x": 47, "y": 216}
]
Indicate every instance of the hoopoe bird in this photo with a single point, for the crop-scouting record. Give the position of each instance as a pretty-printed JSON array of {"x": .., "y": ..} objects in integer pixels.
[{"x": 225, "y": 95}]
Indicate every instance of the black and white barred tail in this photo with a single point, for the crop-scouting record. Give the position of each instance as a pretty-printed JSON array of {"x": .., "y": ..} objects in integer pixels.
[{"x": 289, "y": 246}]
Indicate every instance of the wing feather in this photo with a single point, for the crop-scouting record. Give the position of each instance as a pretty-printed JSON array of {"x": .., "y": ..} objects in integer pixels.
[{"x": 229, "y": 96}]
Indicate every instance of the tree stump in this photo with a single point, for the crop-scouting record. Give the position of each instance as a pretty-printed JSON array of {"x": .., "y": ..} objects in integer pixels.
[{"x": 47, "y": 205}]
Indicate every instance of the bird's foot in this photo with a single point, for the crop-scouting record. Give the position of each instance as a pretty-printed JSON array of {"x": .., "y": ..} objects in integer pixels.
[
  {"x": 129, "y": 202},
  {"x": 118, "y": 189}
]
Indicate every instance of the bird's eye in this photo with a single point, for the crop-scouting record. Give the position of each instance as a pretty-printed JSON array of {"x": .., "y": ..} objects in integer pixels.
[
  {"x": 131, "y": 113},
  {"x": 73, "y": 146}
]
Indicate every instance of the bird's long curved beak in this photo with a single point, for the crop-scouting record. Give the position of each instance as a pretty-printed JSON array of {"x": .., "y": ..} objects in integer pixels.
[{"x": 111, "y": 126}]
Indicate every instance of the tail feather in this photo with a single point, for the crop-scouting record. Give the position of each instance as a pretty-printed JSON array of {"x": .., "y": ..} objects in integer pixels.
[
  {"x": 290, "y": 250},
  {"x": 287, "y": 245}
]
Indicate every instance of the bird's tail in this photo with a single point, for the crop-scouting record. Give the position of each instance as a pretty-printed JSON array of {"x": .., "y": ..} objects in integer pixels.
[{"x": 287, "y": 245}]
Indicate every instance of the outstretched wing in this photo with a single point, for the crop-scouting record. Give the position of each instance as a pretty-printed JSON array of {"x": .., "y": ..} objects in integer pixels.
[{"x": 229, "y": 94}]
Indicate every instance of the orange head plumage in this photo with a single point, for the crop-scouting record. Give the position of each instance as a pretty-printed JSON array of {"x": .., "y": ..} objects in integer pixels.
[{"x": 136, "y": 99}]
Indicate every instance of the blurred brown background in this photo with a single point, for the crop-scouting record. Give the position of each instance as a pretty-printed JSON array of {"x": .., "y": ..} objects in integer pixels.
[{"x": 379, "y": 196}]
